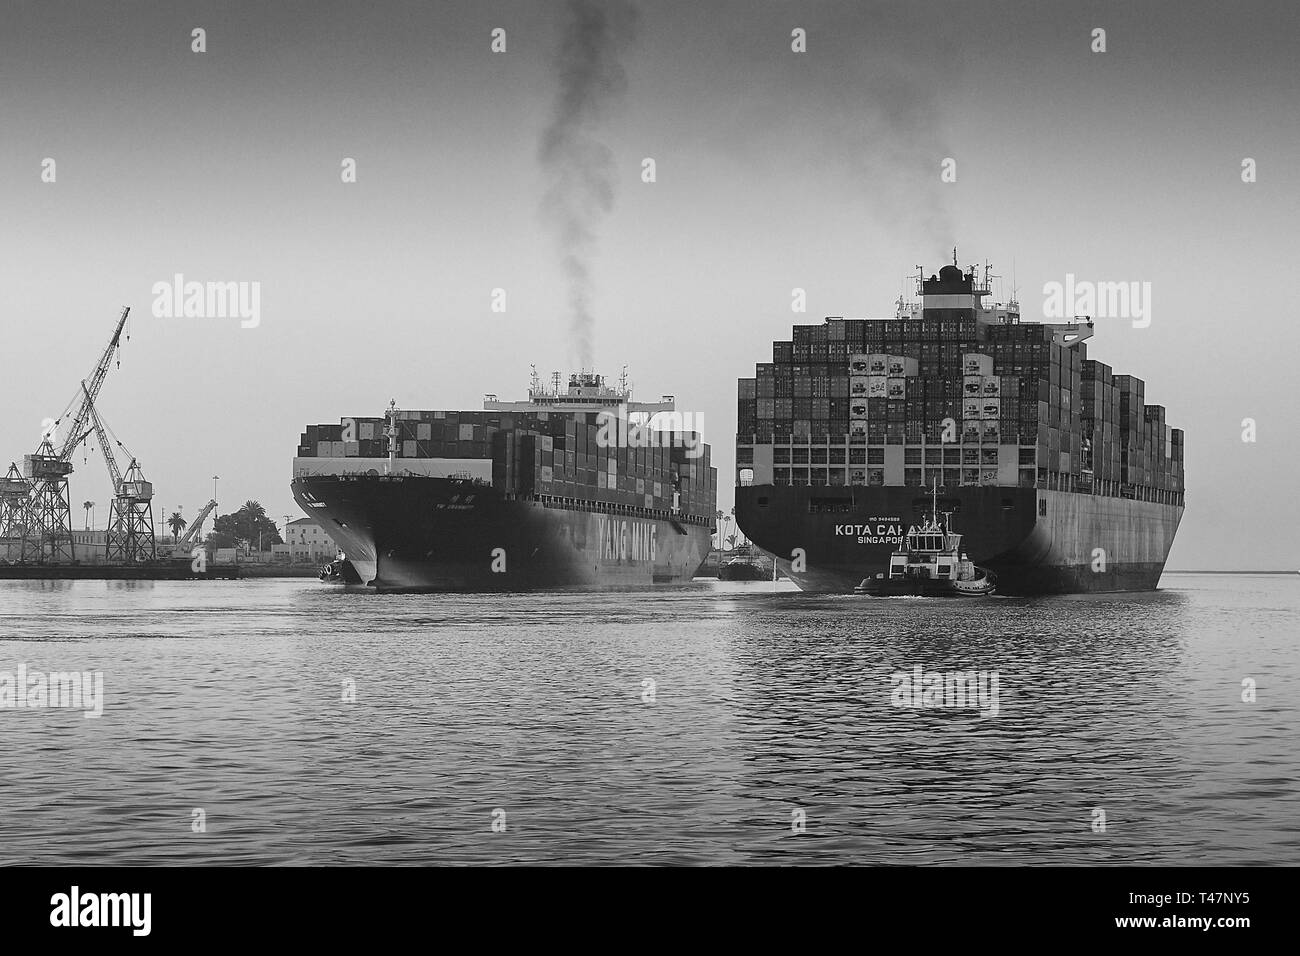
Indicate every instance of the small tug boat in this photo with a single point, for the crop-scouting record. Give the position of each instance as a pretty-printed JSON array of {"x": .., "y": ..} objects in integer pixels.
[
  {"x": 743, "y": 564},
  {"x": 340, "y": 571},
  {"x": 931, "y": 564}
]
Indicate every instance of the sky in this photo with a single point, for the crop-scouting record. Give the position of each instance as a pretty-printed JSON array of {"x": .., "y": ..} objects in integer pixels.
[{"x": 775, "y": 170}]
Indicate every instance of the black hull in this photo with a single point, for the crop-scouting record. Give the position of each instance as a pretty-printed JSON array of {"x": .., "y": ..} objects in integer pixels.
[
  {"x": 1035, "y": 541},
  {"x": 440, "y": 534},
  {"x": 918, "y": 588},
  {"x": 742, "y": 572},
  {"x": 340, "y": 571}
]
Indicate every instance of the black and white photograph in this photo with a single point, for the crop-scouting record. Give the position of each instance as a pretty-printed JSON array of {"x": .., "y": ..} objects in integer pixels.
[{"x": 719, "y": 435}]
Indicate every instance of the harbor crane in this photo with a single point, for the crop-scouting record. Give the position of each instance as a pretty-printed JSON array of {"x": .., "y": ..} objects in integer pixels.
[
  {"x": 185, "y": 545},
  {"x": 14, "y": 489},
  {"x": 130, "y": 520},
  {"x": 47, "y": 528}
]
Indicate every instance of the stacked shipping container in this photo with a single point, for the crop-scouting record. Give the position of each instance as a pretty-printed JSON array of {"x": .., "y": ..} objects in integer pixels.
[
  {"x": 543, "y": 454},
  {"x": 970, "y": 403}
]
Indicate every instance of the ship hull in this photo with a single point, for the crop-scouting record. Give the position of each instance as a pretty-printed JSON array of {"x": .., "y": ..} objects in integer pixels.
[
  {"x": 741, "y": 571},
  {"x": 920, "y": 587},
  {"x": 1034, "y": 540},
  {"x": 440, "y": 534}
]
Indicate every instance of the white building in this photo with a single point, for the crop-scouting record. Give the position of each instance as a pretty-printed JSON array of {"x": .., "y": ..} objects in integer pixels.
[{"x": 305, "y": 540}]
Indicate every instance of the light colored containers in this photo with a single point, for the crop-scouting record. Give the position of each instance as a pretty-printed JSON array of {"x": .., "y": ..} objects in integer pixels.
[
  {"x": 897, "y": 388},
  {"x": 972, "y": 384},
  {"x": 858, "y": 410},
  {"x": 877, "y": 387},
  {"x": 858, "y": 386},
  {"x": 859, "y": 364},
  {"x": 976, "y": 363},
  {"x": 992, "y": 385},
  {"x": 901, "y": 366},
  {"x": 877, "y": 364}
]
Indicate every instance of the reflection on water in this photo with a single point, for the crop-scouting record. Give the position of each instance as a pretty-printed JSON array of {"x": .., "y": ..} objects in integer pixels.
[{"x": 695, "y": 724}]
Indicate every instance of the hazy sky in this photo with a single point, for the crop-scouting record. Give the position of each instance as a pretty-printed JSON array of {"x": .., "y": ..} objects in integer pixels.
[{"x": 775, "y": 170}]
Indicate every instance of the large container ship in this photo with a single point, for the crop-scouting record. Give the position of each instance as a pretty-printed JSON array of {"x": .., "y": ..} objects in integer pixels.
[
  {"x": 1056, "y": 472},
  {"x": 567, "y": 488}
]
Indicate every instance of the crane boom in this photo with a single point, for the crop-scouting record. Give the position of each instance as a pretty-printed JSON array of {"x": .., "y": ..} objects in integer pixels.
[
  {"x": 90, "y": 391},
  {"x": 101, "y": 435},
  {"x": 196, "y": 524}
]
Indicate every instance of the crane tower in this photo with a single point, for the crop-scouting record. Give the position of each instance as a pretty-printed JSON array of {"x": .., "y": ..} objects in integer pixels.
[{"x": 47, "y": 531}]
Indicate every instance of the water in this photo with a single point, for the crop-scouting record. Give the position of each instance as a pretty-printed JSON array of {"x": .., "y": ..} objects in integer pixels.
[{"x": 226, "y": 697}]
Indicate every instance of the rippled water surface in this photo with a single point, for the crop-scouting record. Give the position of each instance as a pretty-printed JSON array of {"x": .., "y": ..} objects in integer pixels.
[{"x": 767, "y": 707}]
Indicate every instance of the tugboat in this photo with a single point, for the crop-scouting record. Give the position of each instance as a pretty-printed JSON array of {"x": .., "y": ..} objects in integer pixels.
[
  {"x": 743, "y": 565},
  {"x": 931, "y": 564},
  {"x": 340, "y": 571}
]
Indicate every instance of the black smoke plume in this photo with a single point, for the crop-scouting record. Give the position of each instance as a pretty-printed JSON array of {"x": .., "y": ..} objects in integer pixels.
[{"x": 579, "y": 167}]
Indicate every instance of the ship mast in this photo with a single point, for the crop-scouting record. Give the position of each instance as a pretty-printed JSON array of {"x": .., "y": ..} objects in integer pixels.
[{"x": 392, "y": 435}]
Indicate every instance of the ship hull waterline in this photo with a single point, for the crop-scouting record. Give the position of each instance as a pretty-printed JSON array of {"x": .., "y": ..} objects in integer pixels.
[
  {"x": 1036, "y": 541},
  {"x": 415, "y": 533}
]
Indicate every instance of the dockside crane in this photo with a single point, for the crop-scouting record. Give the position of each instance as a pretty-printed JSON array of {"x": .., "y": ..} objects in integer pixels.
[
  {"x": 130, "y": 520},
  {"x": 184, "y": 546},
  {"x": 14, "y": 489},
  {"x": 47, "y": 528}
]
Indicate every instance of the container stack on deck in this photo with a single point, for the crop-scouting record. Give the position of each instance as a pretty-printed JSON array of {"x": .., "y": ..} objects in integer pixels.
[
  {"x": 909, "y": 401},
  {"x": 542, "y": 455}
]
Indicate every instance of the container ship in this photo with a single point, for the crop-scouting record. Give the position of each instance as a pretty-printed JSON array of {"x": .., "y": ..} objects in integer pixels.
[
  {"x": 1059, "y": 476},
  {"x": 571, "y": 487}
]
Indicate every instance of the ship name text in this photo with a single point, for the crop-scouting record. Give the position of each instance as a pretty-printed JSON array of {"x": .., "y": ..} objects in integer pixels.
[
  {"x": 883, "y": 533},
  {"x": 627, "y": 540}
]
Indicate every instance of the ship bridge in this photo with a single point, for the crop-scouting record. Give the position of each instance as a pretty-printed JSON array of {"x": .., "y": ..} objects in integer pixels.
[{"x": 586, "y": 392}]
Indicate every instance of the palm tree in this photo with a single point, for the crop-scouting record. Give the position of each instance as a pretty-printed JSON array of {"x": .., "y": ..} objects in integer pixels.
[
  {"x": 177, "y": 523},
  {"x": 89, "y": 506},
  {"x": 253, "y": 517},
  {"x": 744, "y": 539}
]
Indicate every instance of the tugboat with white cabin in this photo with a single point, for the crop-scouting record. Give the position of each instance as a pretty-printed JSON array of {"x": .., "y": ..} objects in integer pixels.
[{"x": 931, "y": 563}]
